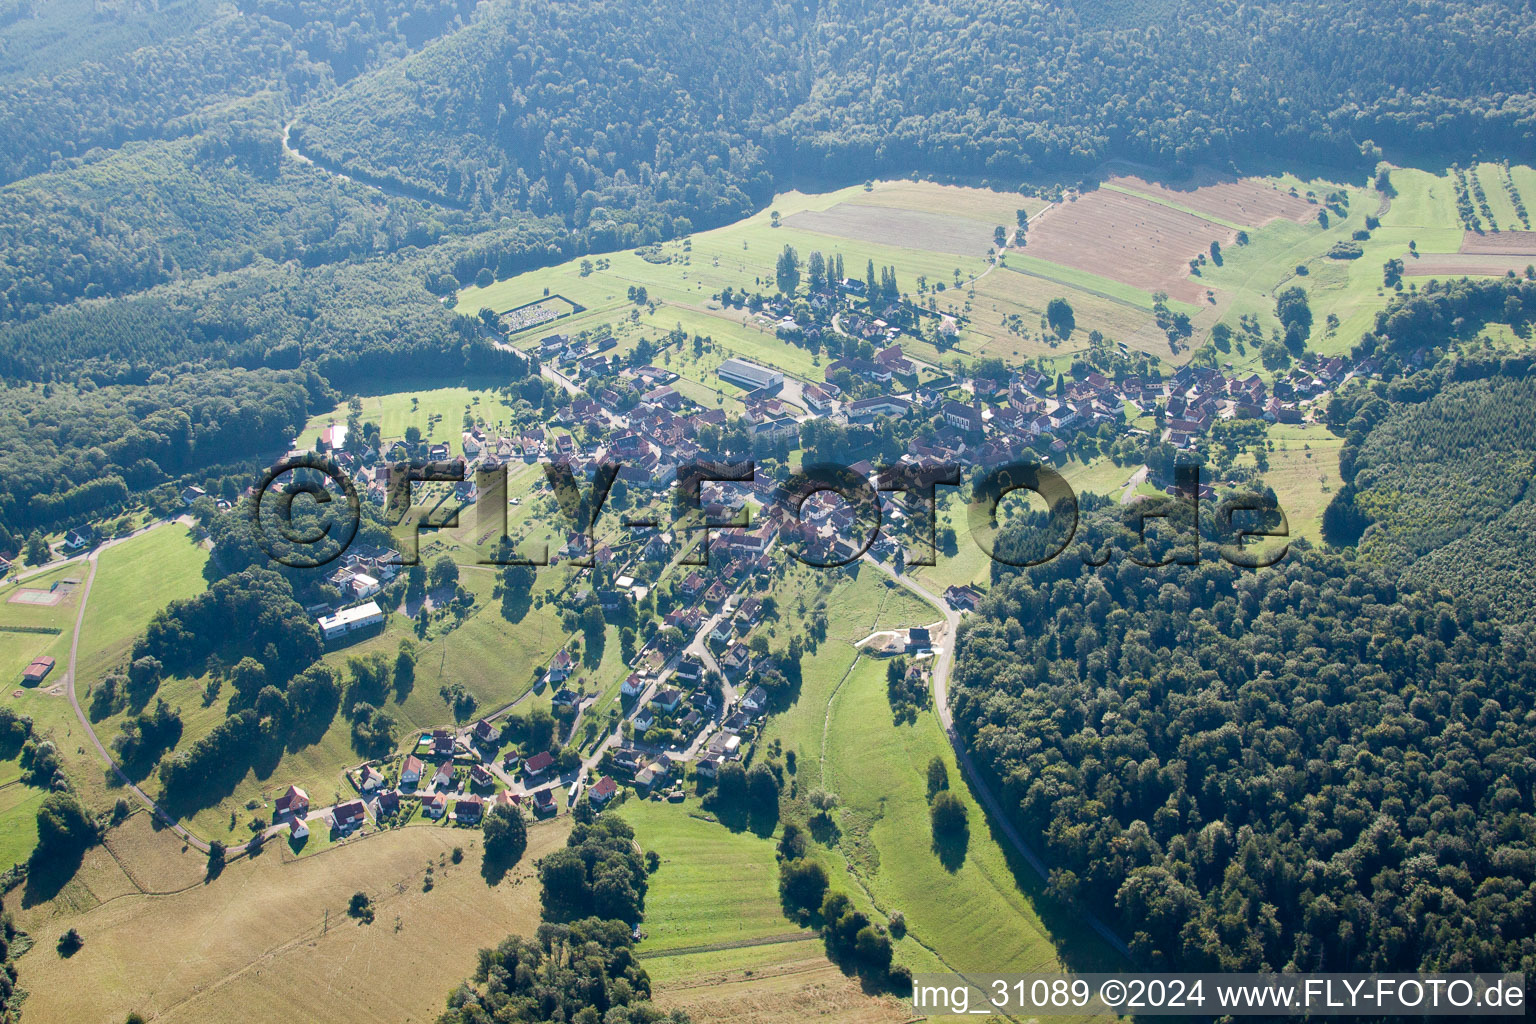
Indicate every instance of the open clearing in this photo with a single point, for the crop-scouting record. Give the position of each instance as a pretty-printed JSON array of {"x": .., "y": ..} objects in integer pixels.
[
  {"x": 936, "y": 232},
  {"x": 1127, "y": 238},
  {"x": 135, "y": 579},
  {"x": 271, "y": 940}
]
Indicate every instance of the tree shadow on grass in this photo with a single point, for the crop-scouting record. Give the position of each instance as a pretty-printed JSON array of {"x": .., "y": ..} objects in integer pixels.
[
  {"x": 951, "y": 848},
  {"x": 515, "y": 605},
  {"x": 824, "y": 829},
  {"x": 495, "y": 869},
  {"x": 47, "y": 876},
  {"x": 743, "y": 817}
]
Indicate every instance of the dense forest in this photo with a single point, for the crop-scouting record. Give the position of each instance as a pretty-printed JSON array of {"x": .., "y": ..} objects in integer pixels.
[
  {"x": 1437, "y": 468},
  {"x": 8, "y": 996},
  {"x": 74, "y": 452},
  {"x": 541, "y": 106},
  {"x": 1306, "y": 768}
]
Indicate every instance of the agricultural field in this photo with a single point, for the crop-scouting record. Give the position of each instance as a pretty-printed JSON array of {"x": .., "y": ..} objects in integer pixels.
[
  {"x": 1134, "y": 240},
  {"x": 1238, "y": 203},
  {"x": 885, "y": 225},
  {"x": 1107, "y": 251},
  {"x": 164, "y": 944}
]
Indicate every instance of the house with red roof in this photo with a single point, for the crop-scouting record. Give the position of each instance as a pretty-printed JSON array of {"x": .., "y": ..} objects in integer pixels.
[
  {"x": 294, "y": 801},
  {"x": 349, "y": 815},
  {"x": 604, "y": 791},
  {"x": 410, "y": 771},
  {"x": 538, "y": 764}
]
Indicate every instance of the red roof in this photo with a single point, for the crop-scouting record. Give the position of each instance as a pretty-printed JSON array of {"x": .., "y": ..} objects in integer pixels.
[
  {"x": 349, "y": 811},
  {"x": 605, "y": 788},
  {"x": 539, "y": 762}
]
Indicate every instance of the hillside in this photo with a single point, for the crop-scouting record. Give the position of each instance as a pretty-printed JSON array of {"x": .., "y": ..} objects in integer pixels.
[{"x": 997, "y": 89}]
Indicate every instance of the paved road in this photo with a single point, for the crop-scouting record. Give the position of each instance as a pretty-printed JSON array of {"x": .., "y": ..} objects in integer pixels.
[
  {"x": 943, "y": 662},
  {"x": 1131, "y": 485}
]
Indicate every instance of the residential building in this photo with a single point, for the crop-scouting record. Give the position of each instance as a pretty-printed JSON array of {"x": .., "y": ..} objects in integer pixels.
[
  {"x": 349, "y": 815},
  {"x": 294, "y": 801}
]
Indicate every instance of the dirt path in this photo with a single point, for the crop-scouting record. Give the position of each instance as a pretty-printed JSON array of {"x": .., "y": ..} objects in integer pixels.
[{"x": 85, "y": 722}]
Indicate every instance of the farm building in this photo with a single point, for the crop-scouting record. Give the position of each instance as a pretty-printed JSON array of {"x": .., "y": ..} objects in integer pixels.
[{"x": 37, "y": 671}]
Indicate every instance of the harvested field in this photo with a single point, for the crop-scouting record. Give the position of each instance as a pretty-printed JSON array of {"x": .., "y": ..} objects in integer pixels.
[
  {"x": 1464, "y": 264},
  {"x": 801, "y": 987},
  {"x": 1251, "y": 202},
  {"x": 909, "y": 229},
  {"x": 971, "y": 203},
  {"x": 1521, "y": 243},
  {"x": 1128, "y": 239}
]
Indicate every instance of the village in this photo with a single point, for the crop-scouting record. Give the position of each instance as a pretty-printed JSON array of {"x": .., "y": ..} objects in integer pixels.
[{"x": 683, "y": 716}]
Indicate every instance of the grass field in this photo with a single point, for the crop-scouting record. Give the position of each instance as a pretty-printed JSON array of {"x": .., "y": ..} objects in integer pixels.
[
  {"x": 1304, "y": 471},
  {"x": 438, "y": 412},
  {"x": 135, "y": 579},
  {"x": 714, "y": 886},
  {"x": 18, "y": 817},
  {"x": 161, "y": 942},
  {"x": 967, "y": 909}
]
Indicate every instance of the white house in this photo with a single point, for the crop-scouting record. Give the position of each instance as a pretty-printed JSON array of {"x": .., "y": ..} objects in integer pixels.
[
  {"x": 370, "y": 779},
  {"x": 410, "y": 771}
]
